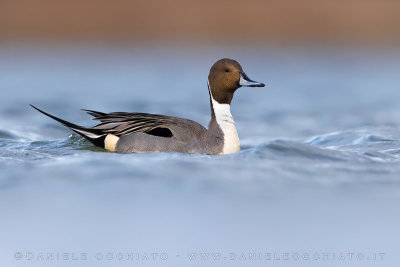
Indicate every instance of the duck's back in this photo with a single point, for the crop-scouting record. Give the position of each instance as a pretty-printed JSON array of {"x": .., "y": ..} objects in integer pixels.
[{"x": 180, "y": 135}]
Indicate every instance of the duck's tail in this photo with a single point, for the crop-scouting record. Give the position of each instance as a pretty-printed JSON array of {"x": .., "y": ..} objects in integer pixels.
[{"x": 95, "y": 136}]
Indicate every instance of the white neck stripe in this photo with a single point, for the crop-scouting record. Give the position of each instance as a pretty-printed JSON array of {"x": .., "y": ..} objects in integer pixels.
[{"x": 227, "y": 124}]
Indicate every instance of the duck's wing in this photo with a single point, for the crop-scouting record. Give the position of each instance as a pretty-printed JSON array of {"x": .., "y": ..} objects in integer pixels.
[{"x": 123, "y": 123}]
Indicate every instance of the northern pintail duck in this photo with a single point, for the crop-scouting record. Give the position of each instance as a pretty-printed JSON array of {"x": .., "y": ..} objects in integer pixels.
[{"x": 142, "y": 132}]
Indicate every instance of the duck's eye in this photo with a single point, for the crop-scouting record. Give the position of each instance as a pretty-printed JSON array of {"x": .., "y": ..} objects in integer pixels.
[{"x": 227, "y": 70}]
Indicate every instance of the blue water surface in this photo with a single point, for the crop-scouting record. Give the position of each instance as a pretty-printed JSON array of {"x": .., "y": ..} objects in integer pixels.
[{"x": 317, "y": 182}]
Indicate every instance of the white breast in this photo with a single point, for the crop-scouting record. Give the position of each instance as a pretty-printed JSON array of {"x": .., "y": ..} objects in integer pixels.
[{"x": 227, "y": 124}]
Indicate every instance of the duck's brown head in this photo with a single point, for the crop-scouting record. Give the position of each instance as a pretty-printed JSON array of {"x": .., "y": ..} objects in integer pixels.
[{"x": 226, "y": 76}]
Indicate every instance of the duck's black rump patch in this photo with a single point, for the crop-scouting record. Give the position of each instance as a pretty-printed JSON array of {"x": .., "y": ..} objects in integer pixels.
[{"x": 162, "y": 132}]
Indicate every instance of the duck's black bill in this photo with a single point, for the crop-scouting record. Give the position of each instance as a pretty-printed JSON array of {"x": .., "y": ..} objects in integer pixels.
[{"x": 247, "y": 82}]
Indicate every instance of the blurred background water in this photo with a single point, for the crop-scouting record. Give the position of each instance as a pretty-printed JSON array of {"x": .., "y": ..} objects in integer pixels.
[{"x": 317, "y": 177}]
